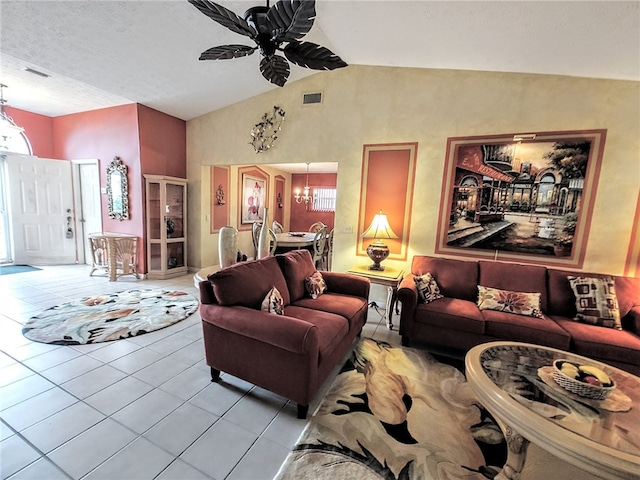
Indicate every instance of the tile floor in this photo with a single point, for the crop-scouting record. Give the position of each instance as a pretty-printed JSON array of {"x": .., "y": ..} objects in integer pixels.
[
  {"x": 144, "y": 408},
  {"x": 140, "y": 408}
]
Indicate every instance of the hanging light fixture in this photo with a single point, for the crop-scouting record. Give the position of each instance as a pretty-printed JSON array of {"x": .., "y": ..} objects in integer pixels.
[
  {"x": 8, "y": 127},
  {"x": 306, "y": 196}
]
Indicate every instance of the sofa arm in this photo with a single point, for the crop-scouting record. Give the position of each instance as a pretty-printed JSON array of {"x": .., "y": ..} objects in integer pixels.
[
  {"x": 288, "y": 333},
  {"x": 408, "y": 297},
  {"x": 207, "y": 296},
  {"x": 631, "y": 321},
  {"x": 347, "y": 284}
]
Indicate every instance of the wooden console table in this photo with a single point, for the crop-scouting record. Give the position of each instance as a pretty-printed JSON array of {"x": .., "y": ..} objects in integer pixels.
[
  {"x": 116, "y": 253},
  {"x": 390, "y": 277}
]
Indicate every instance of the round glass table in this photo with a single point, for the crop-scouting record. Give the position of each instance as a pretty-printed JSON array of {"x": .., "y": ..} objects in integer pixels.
[{"x": 513, "y": 381}]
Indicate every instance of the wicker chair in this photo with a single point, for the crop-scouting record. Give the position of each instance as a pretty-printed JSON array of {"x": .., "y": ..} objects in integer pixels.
[
  {"x": 319, "y": 242},
  {"x": 317, "y": 226}
]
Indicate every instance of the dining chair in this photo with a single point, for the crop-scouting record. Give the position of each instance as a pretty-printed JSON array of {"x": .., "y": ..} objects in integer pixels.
[
  {"x": 328, "y": 251},
  {"x": 317, "y": 226},
  {"x": 255, "y": 235},
  {"x": 277, "y": 227},
  {"x": 319, "y": 241}
]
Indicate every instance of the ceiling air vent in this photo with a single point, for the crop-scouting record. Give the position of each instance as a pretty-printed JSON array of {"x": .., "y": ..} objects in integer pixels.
[
  {"x": 311, "y": 98},
  {"x": 36, "y": 72}
]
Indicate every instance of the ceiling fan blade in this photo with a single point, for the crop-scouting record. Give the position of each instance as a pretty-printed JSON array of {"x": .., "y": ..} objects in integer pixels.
[
  {"x": 275, "y": 69},
  {"x": 292, "y": 19},
  {"x": 225, "y": 52},
  {"x": 311, "y": 55},
  {"x": 224, "y": 17}
]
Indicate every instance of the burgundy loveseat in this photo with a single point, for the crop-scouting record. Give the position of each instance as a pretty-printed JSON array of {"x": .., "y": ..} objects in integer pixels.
[
  {"x": 456, "y": 323},
  {"x": 290, "y": 354}
]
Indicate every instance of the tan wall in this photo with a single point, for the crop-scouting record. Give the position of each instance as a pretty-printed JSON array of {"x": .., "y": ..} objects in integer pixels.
[{"x": 368, "y": 105}]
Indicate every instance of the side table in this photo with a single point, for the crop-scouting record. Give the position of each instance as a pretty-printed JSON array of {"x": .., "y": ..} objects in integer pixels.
[
  {"x": 390, "y": 277},
  {"x": 116, "y": 253}
]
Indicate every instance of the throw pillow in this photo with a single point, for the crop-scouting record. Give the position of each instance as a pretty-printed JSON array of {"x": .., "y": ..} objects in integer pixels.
[
  {"x": 596, "y": 301},
  {"x": 520, "y": 303},
  {"x": 427, "y": 286},
  {"x": 315, "y": 285},
  {"x": 273, "y": 302}
]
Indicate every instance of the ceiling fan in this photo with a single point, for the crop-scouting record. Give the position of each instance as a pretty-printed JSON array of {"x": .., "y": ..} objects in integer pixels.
[{"x": 285, "y": 23}]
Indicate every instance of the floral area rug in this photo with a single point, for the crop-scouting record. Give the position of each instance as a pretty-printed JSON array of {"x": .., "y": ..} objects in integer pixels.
[
  {"x": 397, "y": 413},
  {"x": 103, "y": 318}
]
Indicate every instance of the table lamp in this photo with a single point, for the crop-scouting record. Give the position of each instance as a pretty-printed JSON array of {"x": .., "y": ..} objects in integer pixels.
[{"x": 378, "y": 230}]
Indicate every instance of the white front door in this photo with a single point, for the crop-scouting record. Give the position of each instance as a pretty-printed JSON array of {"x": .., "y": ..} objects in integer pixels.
[{"x": 42, "y": 216}]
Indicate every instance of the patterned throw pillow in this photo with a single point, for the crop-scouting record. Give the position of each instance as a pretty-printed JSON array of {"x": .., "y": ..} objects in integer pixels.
[
  {"x": 273, "y": 302},
  {"x": 428, "y": 289},
  {"x": 596, "y": 301},
  {"x": 315, "y": 285},
  {"x": 519, "y": 303}
]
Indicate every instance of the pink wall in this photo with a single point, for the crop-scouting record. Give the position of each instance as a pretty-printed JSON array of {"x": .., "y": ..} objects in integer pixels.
[
  {"x": 38, "y": 128},
  {"x": 104, "y": 134},
  {"x": 301, "y": 219},
  {"x": 163, "y": 143},
  {"x": 146, "y": 140}
]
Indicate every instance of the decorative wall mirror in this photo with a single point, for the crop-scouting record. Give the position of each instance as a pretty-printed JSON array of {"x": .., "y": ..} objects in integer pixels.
[{"x": 118, "y": 189}]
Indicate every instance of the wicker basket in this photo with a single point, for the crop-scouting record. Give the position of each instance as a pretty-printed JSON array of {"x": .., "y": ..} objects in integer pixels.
[{"x": 596, "y": 392}]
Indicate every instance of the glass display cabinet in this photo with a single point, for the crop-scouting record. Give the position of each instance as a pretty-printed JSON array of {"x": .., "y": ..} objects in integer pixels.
[{"x": 166, "y": 226}]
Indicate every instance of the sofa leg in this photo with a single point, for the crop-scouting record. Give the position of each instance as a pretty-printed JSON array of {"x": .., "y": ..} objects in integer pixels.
[
  {"x": 405, "y": 341},
  {"x": 302, "y": 411},
  {"x": 215, "y": 375}
]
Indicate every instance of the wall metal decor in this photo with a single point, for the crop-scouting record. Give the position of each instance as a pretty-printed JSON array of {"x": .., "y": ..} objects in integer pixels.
[
  {"x": 220, "y": 195},
  {"x": 265, "y": 132},
  {"x": 118, "y": 189}
]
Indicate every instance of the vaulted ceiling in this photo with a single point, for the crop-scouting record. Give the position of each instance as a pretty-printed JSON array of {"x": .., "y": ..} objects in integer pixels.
[{"x": 106, "y": 53}]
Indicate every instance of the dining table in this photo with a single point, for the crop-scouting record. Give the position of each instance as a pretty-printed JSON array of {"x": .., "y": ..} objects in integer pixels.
[{"x": 295, "y": 240}]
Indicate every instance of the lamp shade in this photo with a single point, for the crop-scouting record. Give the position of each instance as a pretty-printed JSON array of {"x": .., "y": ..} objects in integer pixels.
[{"x": 379, "y": 228}]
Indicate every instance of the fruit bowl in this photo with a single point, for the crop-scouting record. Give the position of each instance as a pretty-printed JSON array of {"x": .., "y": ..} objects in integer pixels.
[{"x": 584, "y": 380}]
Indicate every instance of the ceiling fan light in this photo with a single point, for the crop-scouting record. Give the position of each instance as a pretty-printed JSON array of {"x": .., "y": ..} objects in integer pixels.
[{"x": 257, "y": 18}]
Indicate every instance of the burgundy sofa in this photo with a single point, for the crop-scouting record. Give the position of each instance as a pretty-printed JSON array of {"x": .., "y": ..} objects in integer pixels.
[
  {"x": 454, "y": 323},
  {"x": 290, "y": 354}
]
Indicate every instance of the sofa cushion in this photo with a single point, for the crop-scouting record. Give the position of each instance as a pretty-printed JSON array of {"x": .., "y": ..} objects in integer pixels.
[
  {"x": 350, "y": 307},
  {"x": 453, "y": 313},
  {"x": 273, "y": 302},
  {"x": 515, "y": 277},
  {"x": 605, "y": 344},
  {"x": 596, "y": 301},
  {"x": 296, "y": 266},
  {"x": 315, "y": 285},
  {"x": 541, "y": 331},
  {"x": 427, "y": 286},
  {"x": 332, "y": 328},
  {"x": 456, "y": 278},
  {"x": 247, "y": 283},
  {"x": 520, "y": 303},
  {"x": 562, "y": 302}
]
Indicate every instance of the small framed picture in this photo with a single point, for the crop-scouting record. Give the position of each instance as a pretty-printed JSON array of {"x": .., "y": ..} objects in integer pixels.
[{"x": 253, "y": 198}]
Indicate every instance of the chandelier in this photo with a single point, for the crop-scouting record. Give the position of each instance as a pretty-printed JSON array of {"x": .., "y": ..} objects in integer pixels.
[
  {"x": 8, "y": 127},
  {"x": 306, "y": 196}
]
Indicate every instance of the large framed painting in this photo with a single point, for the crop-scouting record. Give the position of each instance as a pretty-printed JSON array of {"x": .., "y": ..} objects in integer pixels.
[
  {"x": 520, "y": 197},
  {"x": 254, "y": 194}
]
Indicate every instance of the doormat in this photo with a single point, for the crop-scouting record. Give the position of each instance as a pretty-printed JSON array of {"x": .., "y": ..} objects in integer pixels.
[
  {"x": 397, "y": 413},
  {"x": 102, "y": 318},
  {"x": 9, "y": 269}
]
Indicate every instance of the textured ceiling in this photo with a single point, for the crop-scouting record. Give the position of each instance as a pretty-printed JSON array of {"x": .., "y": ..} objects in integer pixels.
[{"x": 106, "y": 53}]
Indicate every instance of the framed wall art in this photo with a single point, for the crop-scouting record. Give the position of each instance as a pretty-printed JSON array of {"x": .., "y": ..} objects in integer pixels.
[
  {"x": 521, "y": 197},
  {"x": 254, "y": 195}
]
